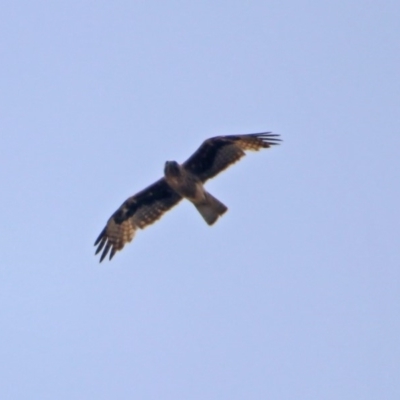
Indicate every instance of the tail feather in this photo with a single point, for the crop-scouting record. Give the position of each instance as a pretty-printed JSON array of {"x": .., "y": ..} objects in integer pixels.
[{"x": 211, "y": 208}]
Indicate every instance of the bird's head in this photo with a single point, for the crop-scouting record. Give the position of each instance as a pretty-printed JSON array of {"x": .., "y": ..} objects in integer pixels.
[{"x": 172, "y": 168}]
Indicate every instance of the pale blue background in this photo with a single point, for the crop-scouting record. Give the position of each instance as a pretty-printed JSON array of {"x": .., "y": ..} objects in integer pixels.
[{"x": 294, "y": 293}]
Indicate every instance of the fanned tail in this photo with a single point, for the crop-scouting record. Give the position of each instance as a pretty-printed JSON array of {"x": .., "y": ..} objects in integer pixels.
[{"x": 211, "y": 208}]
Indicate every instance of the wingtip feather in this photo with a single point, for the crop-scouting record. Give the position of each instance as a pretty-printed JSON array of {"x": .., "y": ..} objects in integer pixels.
[
  {"x": 269, "y": 138},
  {"x": 101, "y": 245},
  {"x": 112, "y": 253},
  {"x": 105, "y": 251},
  {"x": 100, "y": 236}
]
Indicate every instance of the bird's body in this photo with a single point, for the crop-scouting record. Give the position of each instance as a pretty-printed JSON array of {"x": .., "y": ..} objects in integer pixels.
[
  {"x": 180, "y": 181},
  {"x": 190, "y": 187},
  {"x": 183, "y": 182}
]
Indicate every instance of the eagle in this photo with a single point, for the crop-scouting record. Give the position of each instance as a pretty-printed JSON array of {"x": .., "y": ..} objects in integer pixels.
[{"x": 180, "y": 181}]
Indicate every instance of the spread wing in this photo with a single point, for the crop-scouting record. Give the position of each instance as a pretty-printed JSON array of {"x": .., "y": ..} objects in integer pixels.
[
  {"x": 137, "y": 211},
  {"x": 218, "y": 153}
]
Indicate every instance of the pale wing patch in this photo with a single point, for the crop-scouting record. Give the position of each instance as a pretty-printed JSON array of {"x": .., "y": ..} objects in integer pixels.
[
  {"x": 252, "y": 144},
  {"x": 119, "y": 234},
  {"x": 115, "y": 236},
  {"x": 257, "y": 142}
]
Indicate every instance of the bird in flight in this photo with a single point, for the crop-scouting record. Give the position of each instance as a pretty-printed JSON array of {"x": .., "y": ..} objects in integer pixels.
[{"x": 180, "y": 181}]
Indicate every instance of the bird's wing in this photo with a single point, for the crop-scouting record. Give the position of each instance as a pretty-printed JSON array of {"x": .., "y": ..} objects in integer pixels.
[
  {"x": 218, "y": 153},
  {"x": 137, "y": 211}
]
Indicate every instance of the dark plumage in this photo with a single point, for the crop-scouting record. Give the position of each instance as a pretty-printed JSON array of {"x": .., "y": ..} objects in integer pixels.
[{"x": 180, "y": 181}]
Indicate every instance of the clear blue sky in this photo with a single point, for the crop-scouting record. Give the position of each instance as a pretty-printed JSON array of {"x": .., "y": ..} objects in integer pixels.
[{"x": 294, "y": 293}]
